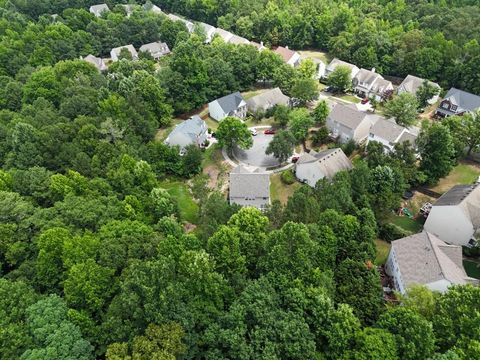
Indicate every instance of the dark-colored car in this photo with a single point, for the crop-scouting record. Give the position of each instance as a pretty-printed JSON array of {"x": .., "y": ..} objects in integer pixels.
[
  {"x": 269, "y": 132},
  {"x": 295, "y": 159},
  {"x": 365, "y": 100}
]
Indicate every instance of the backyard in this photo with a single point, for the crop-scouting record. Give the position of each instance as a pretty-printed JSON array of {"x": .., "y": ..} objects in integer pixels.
[
  {"x": 180, "y": 192},
  {"x": 383, "y": 248},
  {"x": 281, "y": 191},
  {"x": 463, "y": 173},
  {"x": 472, "y": 267}
]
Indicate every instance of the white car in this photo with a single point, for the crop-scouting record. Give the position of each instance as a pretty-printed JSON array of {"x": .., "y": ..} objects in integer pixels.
[{"x": 253, "y": 132}]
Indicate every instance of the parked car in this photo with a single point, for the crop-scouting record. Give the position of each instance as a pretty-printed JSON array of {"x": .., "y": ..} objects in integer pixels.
[
  {"x": 253, "y": 132},
  {"x": 328, "y": 89},
  {"x": 365, "y": 101},
  {"x": 269, "y": 132},
  {"x": 295, "y": 159}
]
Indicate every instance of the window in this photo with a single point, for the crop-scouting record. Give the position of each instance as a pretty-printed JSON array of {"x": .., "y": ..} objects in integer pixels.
[
  {"x": 445, "y": 105},
  {"x": 454, "y": 107}
]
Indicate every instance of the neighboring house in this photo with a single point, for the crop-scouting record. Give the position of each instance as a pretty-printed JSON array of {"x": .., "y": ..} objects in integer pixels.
[
  {"x": 115, "y": 53},
  {"x": 424, "y": 259},
  {"x": 368, "y": 83},
  {"x": 99, "y": 63},
  {"x": 99, "y": 10},
  {"x": 290, "y": 57},
  {"x": 224, "y": 34},
  {"x": 128, "y": 9},
  {"x": 230, "y": 105},
  {"x": 455, "y": 216},
  {"x": 411, "y": 84},
  {"x": 260, "y": 46},
  {"x": 148, "y": 6},
  {"x": 388, "y": 133},
  {"x": 249, "y": 188},
  {"x": 336, "y": 62},
  {"x": 156, "y": 49},
  {"x": 458, "y": 102},
  {"x": 346, "y": 123},
  {"x": 190, "y": 26},
  {"x": 209, "y": 31},
  {"x": 267, "y": 99},
  {"x": 313, "y": 166},
  {"x": 191, "y": 131},
  {"x": 238, "y": 40}
]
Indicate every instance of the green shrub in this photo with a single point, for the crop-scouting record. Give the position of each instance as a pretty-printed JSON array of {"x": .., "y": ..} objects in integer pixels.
[
  {"x": 288, "y": 177},
  {"x": 390, "y": 232},
  {"x": 349, "y": 147}
]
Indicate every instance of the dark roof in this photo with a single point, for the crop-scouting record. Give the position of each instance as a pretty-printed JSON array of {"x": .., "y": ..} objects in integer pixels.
[
  {"x": 230, "y": 102},
  {"x": 455, "y": 195}
]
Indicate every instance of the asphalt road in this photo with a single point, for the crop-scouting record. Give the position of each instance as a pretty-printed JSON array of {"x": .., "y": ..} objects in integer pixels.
[{"x": 255, "y": 156}]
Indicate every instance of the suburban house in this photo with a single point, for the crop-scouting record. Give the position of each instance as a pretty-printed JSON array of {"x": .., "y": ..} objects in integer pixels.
[
  {"x": 230, "y": 105},
  {"x": 411, "y": 84},
  {"x": 336, "y": 62},
  {"x": 238, "y": 40},
  {"x": 115, "y": 53},
  {"x": 191, "y": 131},
  {"x": 368, "y": 83},
  {"x": 249, "y": 188},
  {"x": 290, "y": 57},
  {"x": 389, "y": 133},
  {"x": 455, "y": 216},
  {"x": 99, "y": 10},
  {"x": 209, "y": 31},
  {"x": 424, "y": 259},
  {"x": 156, "y": 49},
  {"x": 99, "y": 63},
  {"x": 267, "y": 99},
  {"x": 148, "y": 6},
  {"x": 313, "y": 166},
  {"x": 259, "y": 46},
  {"x": 457, "y": 102},
  {"x": 346, "y": 123},
  {"x": 128, "y": 9},
  {"x": 224, "y": 34},
  {"x": 190, "y": 26}
]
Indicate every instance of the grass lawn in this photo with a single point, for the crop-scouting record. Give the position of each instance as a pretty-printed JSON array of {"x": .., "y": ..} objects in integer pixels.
[
  {"x": 316, "y": 55},
  {"x": 348, "y": 97},
  {"x": 406, "y": 223},
  {"x": 472, "y": 268},
  {"x": 212, "y": 124},
  {"x": 279, "y": 190},
  {"x": 383, "y": 248},
  {"x": 461, "y": 174},
  {"x": 264, "y": 122},
  {"x": 179, "y": 191}
]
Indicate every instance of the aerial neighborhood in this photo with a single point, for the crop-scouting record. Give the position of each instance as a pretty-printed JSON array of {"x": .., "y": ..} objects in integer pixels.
[{"x": 239, "y": 180}]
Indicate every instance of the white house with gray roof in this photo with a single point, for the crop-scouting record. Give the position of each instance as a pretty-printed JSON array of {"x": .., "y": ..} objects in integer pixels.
[
  {"x": 192, "y": 131},
  {"x": 115, "y": 53},
  {"x": 156, "y": 49},
  {"x": 99, "y": 10},
  {"x": 224, "y": 34},
  {"x": 424, "y": 259},
  {"x": 411, "y": 84},
  {"x": 238, "y": 40},
  {"x": 458, "y": 102},
  {"x": 230, "y": 105},
  {"x": 313, "y": 166},
  {"x": 368, "y": 83},
  {"x": 389, "y": 133},
  {"x": 190, "y": 25},
  {"x": 337, "y": 62},
  {"x": 249, "y": 188},
  {"x": 455, "y": 216},
  {"x": 346, "y": 122},
  {"x": 267, "y": 100},
  {"x": 209, "y": 31},
  {"x": 99, "y": 63},
  {"x": 148, "y": 6}
]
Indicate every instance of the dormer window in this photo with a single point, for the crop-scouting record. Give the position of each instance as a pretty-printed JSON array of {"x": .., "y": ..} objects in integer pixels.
[
  {"x": 445, "y": 105},
  {"x": 454, "y": 107}
]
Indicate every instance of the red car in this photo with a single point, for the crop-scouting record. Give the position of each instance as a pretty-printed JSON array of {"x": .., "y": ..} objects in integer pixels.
[
  {"x": 269, "y": 132},
  {"x": 365, "y": 100},
  {"x": 295, "y": 159}
]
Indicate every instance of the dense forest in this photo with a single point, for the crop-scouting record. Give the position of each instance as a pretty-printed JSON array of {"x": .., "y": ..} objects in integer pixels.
[{"x": 95, "y": 260}]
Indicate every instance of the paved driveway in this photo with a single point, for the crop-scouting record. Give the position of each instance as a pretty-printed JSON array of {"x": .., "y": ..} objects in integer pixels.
[{"x": 255, "y": 156}]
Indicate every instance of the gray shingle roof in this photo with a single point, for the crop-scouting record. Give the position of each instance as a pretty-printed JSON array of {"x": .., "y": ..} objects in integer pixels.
[
  {"x": 206, "y": 27},
  {"x": 191, "y": 131},
  {"x": 337, "y": 62},
  {"x": 412, "y": 83},
  {"x": 267, "y": 99},
  {"x": 387, "y": 129},
  {"x": 238, "y": 40},
  {"x": 456, "y": 195},
  {"x": 116, "y": 51},
  {"x": 230, "y": 102},
  {"x": 329, "y": 162},
  {"x": 347, "y": 115},
  {"x": 423, "y": 258},
  {"x": 464, "y": 100},
  {"x": 367, "y": 76},
  {"x": 96, "y": 61},
  {"x": 156, "y": 49},
  {"x": 224, "y": 34},
  {"x": 97, "y": 10},
  {"x": 246, "y": 184}
]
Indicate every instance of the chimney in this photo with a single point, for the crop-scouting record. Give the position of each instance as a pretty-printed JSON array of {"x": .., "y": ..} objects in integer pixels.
[
  {"x": 373, "y": 69},
  {"x": 286, "y": 47},
  {"x": 261, "y": 43}
]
